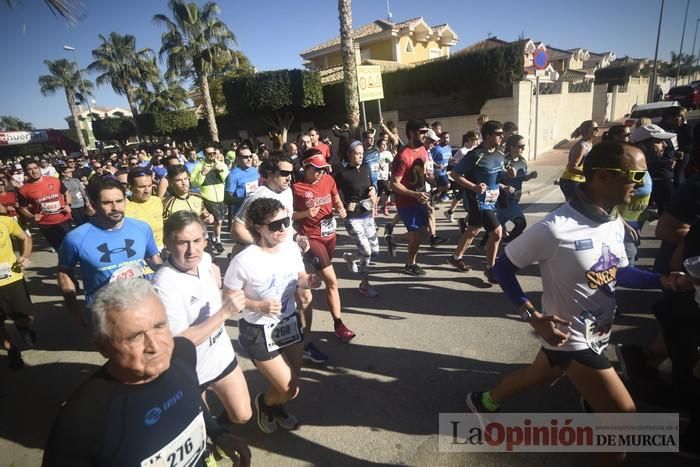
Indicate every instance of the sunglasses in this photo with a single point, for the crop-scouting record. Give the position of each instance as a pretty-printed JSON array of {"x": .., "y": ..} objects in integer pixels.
[
  {"x": 278, "y": 225},
  {"x": 140, "y": 172},
  {"x": 284, "y": 173},
  {"x": 520, "y": 146},
  {"x": 318, "y": 169},
  {"x": 636, "y": 176}
]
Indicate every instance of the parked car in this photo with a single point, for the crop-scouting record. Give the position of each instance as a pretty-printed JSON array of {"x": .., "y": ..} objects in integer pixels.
[
  {"x": 654, "y": 111},
  {"x": 688, "y": 95}
]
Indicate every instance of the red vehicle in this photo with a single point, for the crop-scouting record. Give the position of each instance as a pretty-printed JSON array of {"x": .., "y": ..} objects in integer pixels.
[{"x": 688, "y": 95}]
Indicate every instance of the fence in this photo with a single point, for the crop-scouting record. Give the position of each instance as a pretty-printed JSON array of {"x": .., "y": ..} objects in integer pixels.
[{"x": 584, "y": 86}]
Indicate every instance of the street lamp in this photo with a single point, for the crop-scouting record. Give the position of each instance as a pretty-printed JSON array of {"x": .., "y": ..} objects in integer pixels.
[
  {"x": 652, "y": 85},
  {"x": 68, "y": 48},
  {"x": 695, "y": 60},
  {"x": 680, "y": 52}
]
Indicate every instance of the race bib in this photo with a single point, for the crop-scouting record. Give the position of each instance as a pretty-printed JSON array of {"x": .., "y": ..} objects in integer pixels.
[
  {"x": 127, "y": 272},
  {"x": 282, "y": 334},
  {"x": 490, "y": 196},
  {"x": 597, "y": 333},
  {"x": 328, "y": 226},
  {"x": 251, "y": 187},
  {"x": 183, "y": 451},
  {"x": 5, "y": 270},
  {"x": 78, "y": 195},
  {"x": 50, "y": 207}
]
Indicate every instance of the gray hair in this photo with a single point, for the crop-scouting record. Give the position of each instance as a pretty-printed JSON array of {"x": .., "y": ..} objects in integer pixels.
[
  {"x": 117, "y": 296},
  {"x": 177, "y": 221}
]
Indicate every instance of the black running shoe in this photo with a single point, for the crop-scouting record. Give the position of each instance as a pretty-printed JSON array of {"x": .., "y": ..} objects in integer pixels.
[
  {"x": 436, "y": 240},
  {"x": 14, "y": 359},
  {"x": 219, "y": 247},
  {"x": 388, "y": 229},
  {"x": 390, "y": 246},
  {"x": 414, "y": 270}
]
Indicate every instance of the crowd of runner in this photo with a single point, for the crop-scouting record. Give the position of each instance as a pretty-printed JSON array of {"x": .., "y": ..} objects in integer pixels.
[{"x": 145, "y": 228}]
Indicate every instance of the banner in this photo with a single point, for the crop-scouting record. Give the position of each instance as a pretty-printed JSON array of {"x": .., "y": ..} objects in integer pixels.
[{"x": 12, "y": 138}]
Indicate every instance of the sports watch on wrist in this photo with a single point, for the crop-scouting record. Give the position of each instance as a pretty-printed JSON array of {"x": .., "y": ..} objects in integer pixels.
[{"x": 527, "y": 314}]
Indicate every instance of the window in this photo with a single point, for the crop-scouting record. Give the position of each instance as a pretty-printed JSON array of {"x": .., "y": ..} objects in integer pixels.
[
  {"x": 434, "y": 53},
  {"x": 409, "y": 47}
]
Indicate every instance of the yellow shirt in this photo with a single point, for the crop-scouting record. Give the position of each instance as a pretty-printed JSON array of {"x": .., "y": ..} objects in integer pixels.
[
  {"x": 173, "y": 204},
  {"x": 8, "y": 227},
  {"x": 150, "y": 212}
]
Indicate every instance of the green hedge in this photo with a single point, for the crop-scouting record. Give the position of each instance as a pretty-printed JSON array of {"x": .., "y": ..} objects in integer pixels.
[
  {"x": 170, "y": 123},
  {"x": 118, "y": 129},
  {"x": 273, "y": 91}
]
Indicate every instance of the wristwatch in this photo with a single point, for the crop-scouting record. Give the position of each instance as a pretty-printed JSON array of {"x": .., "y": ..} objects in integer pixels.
[{"x": 527, "y": 314}]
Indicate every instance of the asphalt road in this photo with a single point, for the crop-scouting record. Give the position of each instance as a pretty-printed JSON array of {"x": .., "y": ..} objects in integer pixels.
[{"x": 421, "y": 345}]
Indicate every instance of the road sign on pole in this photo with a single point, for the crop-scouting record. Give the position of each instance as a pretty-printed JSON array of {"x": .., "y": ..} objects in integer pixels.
[
  {"x": 369, "y": 82},
  {"x": 540, "y": 59}
]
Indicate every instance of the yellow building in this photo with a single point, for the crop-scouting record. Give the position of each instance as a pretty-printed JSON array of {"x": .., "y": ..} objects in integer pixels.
[{"x": 386, "y": 43}]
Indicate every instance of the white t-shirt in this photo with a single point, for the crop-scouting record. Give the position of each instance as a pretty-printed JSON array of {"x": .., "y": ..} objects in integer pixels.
[
  {"x": 578, "y": 259},
  {"x": 385, "y": 160},
  {"x": 286, "y": 198},
  {"x": 189, "y": 300},
  {"x": 264, "y": 276}
]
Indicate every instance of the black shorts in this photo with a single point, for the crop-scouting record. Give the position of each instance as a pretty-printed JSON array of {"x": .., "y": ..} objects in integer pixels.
[
  {"x": 586, "y": 357},
  {"x": 478, "y": 217},
  {"x": 252, "y": 339},
  {"x": 15, "y": 302},
  {"x": 54, "y": 234},
  {"x": 383, "y": 187},
  {"x": 227, "y": 371},
  {"x": 218, "y": 209}
]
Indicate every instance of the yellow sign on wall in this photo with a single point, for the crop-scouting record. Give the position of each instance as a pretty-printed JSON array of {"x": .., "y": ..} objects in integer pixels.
[{"x": 369, "y": 82}]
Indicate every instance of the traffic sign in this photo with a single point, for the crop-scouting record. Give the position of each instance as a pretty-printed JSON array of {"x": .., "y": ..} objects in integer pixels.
[
  {"x": 369, "y": 82},
  {"x": 540, "y": 59}
]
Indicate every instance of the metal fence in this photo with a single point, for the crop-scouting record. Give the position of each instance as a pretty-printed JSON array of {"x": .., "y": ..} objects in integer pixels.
[
  {"x": 548, "y": 88},
  {"x": 584, "y": 86}
]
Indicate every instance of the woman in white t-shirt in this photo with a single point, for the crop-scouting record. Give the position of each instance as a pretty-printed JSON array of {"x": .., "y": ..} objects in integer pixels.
[
  {"x": 189, "y": 285},
  {"x": 269, "y": 272},
  {"x": 386, "y": 157}
]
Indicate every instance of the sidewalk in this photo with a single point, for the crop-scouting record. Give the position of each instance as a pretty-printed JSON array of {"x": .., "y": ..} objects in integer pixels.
[{"x": 549, "y": 167}]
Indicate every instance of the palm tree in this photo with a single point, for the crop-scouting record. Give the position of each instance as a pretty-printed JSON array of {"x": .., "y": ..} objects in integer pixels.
[
  {"x": 66, "y": 75},
  {"x": 347, "y": 51},
  {"x": 164, "y": 96},
  {"x": 11, "y": 123},
  {"x": 195, "y": 39},
  {"x": 70, "y": 10},
  {"x": 123, "y": 67}
]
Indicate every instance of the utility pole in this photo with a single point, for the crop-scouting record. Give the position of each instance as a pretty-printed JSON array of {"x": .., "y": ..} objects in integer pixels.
[
  {"x": 656, "y": 56},
  {"x": 695, "y": 38},
  {"x": 82, "y": 88},
  {"x": 680, "y": 52}
]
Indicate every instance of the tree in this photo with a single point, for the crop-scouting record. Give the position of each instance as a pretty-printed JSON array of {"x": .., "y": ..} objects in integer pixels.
[
  {"x": 196, "y": 41},
  {"x": 11, "y": 123},
  {"x": 274, "y": 96},
  {"x": 347, "y": 51},
  {"x": 66, "y": 75},
  {"x": 240, "y": 66},
  {"x": 162, "y": 96},
  {"x": 70, "y": 10},
  {"x": 118, "y": 129},
  {"x": 123, "y": 66}
]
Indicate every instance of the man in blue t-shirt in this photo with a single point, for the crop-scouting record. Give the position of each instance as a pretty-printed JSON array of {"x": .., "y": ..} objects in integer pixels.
[
  {"x": 479, "y": 173},
  {"x": 371, "y": 157},
  {"x": 241, "y": 181},
  {"x": 109, "y": 248},
  {"x": 441, "y": 155}
]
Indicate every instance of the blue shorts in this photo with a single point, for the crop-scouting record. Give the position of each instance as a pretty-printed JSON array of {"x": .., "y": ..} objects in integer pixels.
[
  {"x": 414, "y": 217},
  {"x": 509, "y": 213},
  {"x": 442, "y": 180}
]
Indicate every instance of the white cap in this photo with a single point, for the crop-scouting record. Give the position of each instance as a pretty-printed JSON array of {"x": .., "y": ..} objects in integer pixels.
[
  {"x": 431, "y": 135},
  {"x": 646, "y": 132}
]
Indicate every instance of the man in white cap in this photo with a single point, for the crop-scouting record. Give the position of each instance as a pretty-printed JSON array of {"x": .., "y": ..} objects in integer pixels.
[{"x": 652, "y": 140}]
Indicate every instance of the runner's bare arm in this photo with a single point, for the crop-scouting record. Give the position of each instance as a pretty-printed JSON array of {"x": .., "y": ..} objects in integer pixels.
[
  {"x": 233, "y": 304},
  {"x": 26, "y": 249},
  {"x": 154, "y": 262},
  {"x": 240, "y": 233},
  {"x": 69, "y": 290},
  {"x": 575, "y": 157}
]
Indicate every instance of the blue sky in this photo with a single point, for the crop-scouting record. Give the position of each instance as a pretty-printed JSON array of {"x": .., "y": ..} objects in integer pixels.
[{"x": 273, "y": 33}]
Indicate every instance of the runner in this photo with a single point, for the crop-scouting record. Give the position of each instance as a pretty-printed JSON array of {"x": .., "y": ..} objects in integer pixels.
[
  {"x": 269, "y": 273},
  {"x": 108, "y": 248},
  {"x": 277, "y": 173},
  {"x": 359, "y": 198},
  {"x": 241, "y": 182},
  {"x": 181, "y": 199},
  {"x": 80, "y": 208},
  {"x": 143, "y": 205},
  {"x": 383, "y": 186},
  {"x": 189, "y": 286},
  {"x": 15, "y": 303},
  {"x": 573, "y": 175},
  {"x": 580, "y": 251},
  {"x": 470, "y": 140},
  {"x": 408, "y": 177},
  {"x": 142, "y": 407},
  {"x": 479, "y": 173},
  {"x": 315, "y": 197},
  {"x": 209, "y": 176},
  {"x": 441, "y": 154},
  {"x": 45, "y": 201}
]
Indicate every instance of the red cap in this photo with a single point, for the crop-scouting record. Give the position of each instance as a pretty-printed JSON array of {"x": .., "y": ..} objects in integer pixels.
[{"x": 317, "y": 160}]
